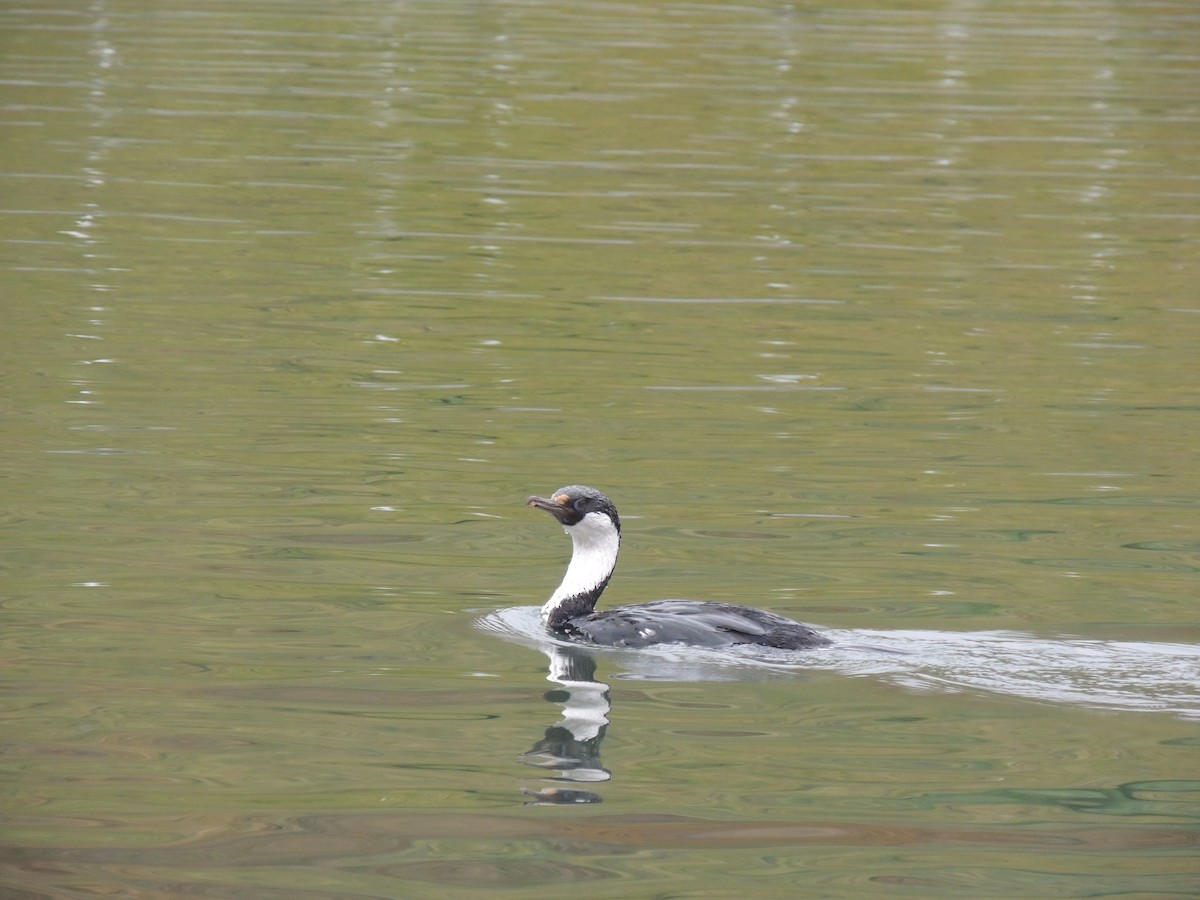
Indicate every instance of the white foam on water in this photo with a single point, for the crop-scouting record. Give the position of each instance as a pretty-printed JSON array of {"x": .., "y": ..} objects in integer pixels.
[{"x": 1145, "y": 676}]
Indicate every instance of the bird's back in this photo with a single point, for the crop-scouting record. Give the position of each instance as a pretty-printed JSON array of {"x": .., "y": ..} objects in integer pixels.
[{"x": 697, "y": 622}]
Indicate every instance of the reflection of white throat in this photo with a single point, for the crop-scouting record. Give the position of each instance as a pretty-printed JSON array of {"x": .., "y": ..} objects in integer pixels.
[
  {"x": 595, "y": 541},
  {"x": 585, "y": 712}
]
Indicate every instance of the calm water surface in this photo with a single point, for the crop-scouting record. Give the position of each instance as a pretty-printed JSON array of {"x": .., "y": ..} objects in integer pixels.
[{"x": 883, "y": 317}]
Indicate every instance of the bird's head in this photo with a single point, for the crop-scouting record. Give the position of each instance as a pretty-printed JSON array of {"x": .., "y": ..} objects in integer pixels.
[{"x": 575, "y": 502}]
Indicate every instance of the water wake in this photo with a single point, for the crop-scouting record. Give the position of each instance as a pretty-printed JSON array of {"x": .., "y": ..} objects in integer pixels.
[{"x": 1118, "y": 675}]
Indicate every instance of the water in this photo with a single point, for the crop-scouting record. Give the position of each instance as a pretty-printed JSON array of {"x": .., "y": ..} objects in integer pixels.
[
  {"x": 882, "y": 318},
  {"x": 1099, "y": 674}
]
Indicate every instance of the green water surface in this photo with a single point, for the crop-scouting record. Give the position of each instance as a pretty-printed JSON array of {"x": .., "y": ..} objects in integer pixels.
[{"x": 881, "y": 316}]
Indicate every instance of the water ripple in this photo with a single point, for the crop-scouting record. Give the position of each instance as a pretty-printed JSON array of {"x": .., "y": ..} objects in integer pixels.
[{"x": 1119, "y": 675}]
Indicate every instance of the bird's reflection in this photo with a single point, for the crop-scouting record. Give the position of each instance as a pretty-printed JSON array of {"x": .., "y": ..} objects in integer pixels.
[{"x": 571, "y": 746}]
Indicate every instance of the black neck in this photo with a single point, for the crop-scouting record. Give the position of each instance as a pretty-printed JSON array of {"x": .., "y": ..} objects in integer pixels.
[{"x": 573, "y": 607}]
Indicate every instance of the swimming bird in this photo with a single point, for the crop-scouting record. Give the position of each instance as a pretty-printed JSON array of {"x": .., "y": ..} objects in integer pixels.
[{"x": 591, "y": 520}]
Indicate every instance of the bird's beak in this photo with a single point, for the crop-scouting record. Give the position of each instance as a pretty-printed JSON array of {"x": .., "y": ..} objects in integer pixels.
[{"x": 558, "y": 505}]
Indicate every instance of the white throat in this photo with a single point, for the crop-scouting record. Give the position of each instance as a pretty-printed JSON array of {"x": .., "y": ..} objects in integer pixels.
[{"x": 595, "y": 541}]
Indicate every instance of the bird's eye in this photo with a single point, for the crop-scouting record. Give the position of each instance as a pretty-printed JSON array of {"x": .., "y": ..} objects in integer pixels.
[{"x": 580, "y": 504}]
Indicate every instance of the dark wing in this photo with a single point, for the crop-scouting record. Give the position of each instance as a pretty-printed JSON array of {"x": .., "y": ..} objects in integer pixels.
[{"x": 694, "y": 622}]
